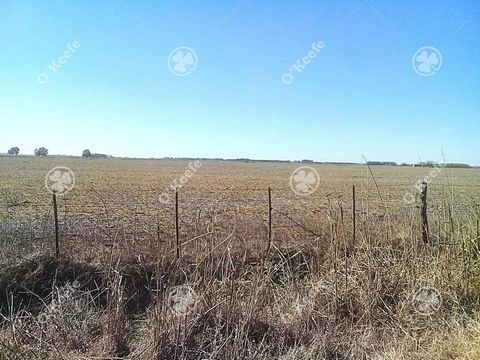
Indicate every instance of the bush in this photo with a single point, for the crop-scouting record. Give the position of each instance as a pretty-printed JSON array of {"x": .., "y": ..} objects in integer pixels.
[
  {"x": 13, "y": 151},
  {"x": 41, "y": 151}
]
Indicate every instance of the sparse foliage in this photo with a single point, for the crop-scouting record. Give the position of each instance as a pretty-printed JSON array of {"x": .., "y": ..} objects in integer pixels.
[
  {"x": 41, "y": 151},
  {"x": 14, "y": 151}
]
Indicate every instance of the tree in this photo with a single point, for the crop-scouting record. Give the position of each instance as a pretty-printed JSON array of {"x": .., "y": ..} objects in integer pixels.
[
  {"x": 86, "y": 153},
  {"x": 13, "y": 151},
  {"x": 41, "y": 151}
]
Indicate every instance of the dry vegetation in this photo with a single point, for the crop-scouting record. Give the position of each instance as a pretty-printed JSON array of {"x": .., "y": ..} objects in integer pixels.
[{"x": 320, "y": 292}]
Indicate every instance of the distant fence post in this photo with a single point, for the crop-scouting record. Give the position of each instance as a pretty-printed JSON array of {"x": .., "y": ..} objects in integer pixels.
[
  {"x": 55, "y": 215},
  {"x": 177, "y": 232},
  {"x": 269, "y": 219},
  {"x": 423, "y": 212}
]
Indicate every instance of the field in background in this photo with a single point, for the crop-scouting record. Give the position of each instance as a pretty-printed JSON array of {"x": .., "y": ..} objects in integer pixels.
[
  {"x": 130, "y": 183},
  {"x": 321, "y": 292}
]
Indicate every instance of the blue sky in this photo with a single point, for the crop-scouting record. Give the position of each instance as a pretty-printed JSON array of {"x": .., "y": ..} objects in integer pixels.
[{"x": 359, "y": 95}]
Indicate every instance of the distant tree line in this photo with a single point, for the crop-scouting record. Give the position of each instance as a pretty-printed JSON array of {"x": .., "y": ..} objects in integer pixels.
[
  {"x": 384, "y": 163},
  {"x": 432, "y": 164},
  {"x": 88, "y": 154},
  {"x": 42, "y": 151},
  {"x": 457, "y": 165}
]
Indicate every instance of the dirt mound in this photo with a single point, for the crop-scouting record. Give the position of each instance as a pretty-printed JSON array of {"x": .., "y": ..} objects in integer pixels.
[{"x": 29, "y": 284}]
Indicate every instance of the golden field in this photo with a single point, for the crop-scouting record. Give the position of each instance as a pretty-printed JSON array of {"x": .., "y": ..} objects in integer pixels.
[{"x": 320, "y": 292}]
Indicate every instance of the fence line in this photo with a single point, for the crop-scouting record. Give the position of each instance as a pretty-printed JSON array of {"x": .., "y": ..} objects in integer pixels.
[{"x": 423, "y": 220}]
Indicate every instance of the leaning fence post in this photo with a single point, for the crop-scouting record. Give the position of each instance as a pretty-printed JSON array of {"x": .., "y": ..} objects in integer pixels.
[
  {"x": 269, "y": 219},
  {"x": 177, "y": 232},
  {"x": 423, "y": 212},
  {"x": 55, "y": 215}
]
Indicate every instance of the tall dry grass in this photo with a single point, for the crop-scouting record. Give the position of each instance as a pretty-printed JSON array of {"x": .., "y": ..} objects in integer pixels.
[{"x": 321, "y": 292}]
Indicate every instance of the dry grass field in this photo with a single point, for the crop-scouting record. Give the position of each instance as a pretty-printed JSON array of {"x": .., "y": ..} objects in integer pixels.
[{"x": 321, "y": 291}]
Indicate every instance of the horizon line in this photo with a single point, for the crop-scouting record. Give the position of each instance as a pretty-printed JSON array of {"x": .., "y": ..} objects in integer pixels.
[{"x": 303, "y": 161}]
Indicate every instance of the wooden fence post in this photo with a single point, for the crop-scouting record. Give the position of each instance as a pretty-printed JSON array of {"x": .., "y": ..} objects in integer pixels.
[
  {"x": 177, "y": 232},
  {"x": 57, "y": 236},
  {"x": 423, "y": 212},
  {"x": 354, "y": 217},
  {"x": 269, "y": 219}
]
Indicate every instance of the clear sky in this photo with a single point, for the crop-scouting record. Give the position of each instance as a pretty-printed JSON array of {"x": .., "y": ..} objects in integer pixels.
[{"x": 115, "y": 94}]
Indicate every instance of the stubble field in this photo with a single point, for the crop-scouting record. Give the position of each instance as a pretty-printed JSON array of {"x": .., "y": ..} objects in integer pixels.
[{"x": 321, "y": 291}]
